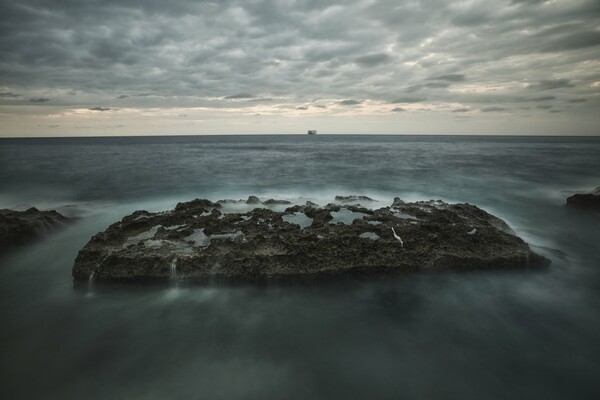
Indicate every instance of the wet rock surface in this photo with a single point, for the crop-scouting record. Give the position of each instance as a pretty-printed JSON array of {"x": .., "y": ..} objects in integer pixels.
[
  {"x": 20, "y": 227},
  {"x": 198, "y": 242},
  {"x": 353, "y": 199},
  {"x": 585, "y": 200}
]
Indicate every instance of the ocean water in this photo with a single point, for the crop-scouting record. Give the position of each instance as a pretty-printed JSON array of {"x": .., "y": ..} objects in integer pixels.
[{"x": 490, "y": 335}]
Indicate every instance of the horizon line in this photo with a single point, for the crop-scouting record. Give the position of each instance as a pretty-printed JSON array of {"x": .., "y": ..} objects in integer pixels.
[{"x": 299, "y": 134}]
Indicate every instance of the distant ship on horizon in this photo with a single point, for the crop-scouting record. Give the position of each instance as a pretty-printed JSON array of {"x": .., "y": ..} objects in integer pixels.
[{"x": 312, "y": 132}]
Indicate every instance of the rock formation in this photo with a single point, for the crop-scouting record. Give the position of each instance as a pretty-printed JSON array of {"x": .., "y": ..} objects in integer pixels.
[
  {"x": 585, "y": 200},
  {"x": 19, "y": 227},
  {"x": 198, "y": 242}
]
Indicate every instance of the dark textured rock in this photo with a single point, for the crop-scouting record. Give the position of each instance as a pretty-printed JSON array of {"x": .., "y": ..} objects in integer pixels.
[
  {"x": 272, "y": 202},
  {"x": 585, "y": 200},
  {"x": 201, "y": 243},
  {"x": 398, "y": 202},
  {"x": 352, "y": 199},
  {"x": 253, "y": 200},
  {"x": 19, "y": 227}
]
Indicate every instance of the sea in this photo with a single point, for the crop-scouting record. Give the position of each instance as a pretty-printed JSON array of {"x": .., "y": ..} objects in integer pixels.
[{"x": 518, "y": 334}]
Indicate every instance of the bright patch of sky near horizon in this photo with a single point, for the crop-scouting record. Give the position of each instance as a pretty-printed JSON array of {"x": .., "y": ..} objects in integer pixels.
[{"x": 76, "y": 68}]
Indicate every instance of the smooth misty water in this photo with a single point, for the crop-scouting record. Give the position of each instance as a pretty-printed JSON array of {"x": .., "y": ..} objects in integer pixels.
[{"x": 473, "y": 335}]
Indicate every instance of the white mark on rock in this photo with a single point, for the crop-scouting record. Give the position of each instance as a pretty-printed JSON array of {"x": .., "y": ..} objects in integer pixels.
[
  {"x": 398, "y": 238},
  {"x": 472, "y": 232}
]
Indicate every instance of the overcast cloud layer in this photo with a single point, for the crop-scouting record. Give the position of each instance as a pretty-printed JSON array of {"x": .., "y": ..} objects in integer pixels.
[{"x": 200, "y": 67}]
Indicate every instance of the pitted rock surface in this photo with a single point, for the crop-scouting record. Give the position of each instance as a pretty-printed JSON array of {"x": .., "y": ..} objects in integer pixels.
[{"x": 303, "y": 241}]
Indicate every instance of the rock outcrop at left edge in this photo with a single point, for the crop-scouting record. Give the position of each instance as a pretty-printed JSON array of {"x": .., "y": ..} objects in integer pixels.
[
  {"x": 20, "y": 227},
  {"x": 198, "y": 242}
]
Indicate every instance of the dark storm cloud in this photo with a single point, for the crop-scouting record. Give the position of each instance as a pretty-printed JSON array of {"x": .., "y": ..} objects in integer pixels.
[
  {"x": 9, "y": 95},
  {"x": 208, "y": 53}
]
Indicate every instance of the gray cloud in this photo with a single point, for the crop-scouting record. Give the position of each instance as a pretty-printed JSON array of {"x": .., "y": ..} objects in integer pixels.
[
  {"x": 349, "y": 102},
  {"x": 543, "y": 98},
  {"x": 239, "y": 96},
  {"x": 461, "y": 110},
  {"x": 398, "y": 109},
  {"x": 372, "y": 60},
  {"x": 573, "y": 41},
  {"x": 449, "y": 77},
  {"x": 448, "y": 55},
  {"x": 528, "y": 1},
  {"x": 552, "y": 84},
  {"x": 39, "y": 99},
  {"x": 408, "y": 99},
  {"x": 101, "y": 109}
]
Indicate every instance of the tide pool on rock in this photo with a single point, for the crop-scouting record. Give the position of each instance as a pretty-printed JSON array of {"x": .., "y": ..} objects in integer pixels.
[{"x": 303, "y": 241}]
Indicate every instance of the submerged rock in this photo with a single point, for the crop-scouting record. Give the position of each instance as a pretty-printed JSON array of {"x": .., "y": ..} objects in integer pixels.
[
  {"x": 276, "y": 202},
  {"x": 585, "y": 200},
  {"x": 19, "y": 227},
  {"x": 352, "y": 199},
  {"x": 201, "y": 243},
  {"x": 253, "y": 200}
]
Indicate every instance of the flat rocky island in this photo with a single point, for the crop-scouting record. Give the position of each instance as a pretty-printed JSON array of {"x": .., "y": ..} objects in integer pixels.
[{"x": 197, "y": 241}]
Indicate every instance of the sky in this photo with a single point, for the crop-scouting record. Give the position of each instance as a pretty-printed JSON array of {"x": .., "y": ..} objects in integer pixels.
[{"x": 125, "y": 67}]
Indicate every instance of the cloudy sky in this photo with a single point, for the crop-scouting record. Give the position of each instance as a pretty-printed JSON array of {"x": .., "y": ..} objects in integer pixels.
[{"x": 117, "y": 67}]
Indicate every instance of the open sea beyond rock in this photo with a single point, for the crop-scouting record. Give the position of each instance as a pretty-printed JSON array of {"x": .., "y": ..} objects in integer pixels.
[{"x": 455, "y": 335}]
